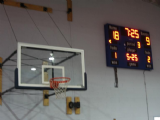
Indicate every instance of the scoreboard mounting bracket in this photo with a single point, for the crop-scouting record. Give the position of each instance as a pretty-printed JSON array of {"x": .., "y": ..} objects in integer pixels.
[
  {"x": 128, "y": 48},
  {"x": 116, "y": 77}
]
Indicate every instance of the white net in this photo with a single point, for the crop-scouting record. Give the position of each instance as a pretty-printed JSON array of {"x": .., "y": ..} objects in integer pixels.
[
  {"x": 59, "y": 87},
  {"x": 60, "y": 92}
]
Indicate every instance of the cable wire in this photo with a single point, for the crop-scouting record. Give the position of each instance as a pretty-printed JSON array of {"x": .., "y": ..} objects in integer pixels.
[
  {"x": 37, "y": 27},
  {"x": 10, "y": 23},
  {"x": 59, "y": 30},
  {"x": 146, "y": 94},
  {"x": 70, "y": 33}
]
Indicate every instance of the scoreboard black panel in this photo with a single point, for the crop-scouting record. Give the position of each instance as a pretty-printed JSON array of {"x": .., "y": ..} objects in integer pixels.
[{"x": 128, "y": 47}]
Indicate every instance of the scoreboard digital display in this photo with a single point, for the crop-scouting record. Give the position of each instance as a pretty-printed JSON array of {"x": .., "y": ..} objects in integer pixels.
[{"x": 128, "y": 48}]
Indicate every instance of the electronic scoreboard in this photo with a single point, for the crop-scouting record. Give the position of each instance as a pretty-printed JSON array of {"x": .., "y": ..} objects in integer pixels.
[{"x": 128, "y": 47}]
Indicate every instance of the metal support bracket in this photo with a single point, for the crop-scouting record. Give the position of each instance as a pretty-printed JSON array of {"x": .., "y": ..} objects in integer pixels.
[
  {"x": 69, "y": 10},
  {"x": 45, "y": 9},
  {"x": 116, "y": 78},
  {"x": 2, "y": 1},
  {"x": 8, "y": 90},
  {"x": 22, "y": 5},
  {"x": 74, "y": 104},
  {"x": 46, "y": 96}
]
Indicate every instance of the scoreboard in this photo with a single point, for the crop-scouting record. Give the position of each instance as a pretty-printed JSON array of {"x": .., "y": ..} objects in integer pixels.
[{"x": 128, "y": 47}]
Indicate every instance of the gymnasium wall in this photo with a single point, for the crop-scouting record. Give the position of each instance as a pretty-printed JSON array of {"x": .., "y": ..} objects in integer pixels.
[{"x": 102, "y": 101}]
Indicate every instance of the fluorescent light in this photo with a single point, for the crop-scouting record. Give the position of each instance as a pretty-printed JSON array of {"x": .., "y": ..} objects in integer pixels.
[
  {"x": 33, "y": 69},
  {"x": 156, "y": 118},
  {"x": 51, "y": 58}
]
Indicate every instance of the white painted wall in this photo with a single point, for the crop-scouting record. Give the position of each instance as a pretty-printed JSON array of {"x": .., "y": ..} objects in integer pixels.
[{"x": 101, "y": 101}]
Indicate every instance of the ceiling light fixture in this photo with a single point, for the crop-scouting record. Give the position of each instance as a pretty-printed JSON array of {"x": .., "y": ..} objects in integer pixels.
[
  {"x": 33, "y": 69},
  {"x": 51, "y": 57}
]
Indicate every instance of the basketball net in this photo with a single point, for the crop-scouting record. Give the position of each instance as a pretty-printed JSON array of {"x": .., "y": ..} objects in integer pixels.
[{"x": 59, "y": 86}]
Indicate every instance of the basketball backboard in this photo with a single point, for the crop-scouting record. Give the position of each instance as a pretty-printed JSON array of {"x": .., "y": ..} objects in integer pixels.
[{"x": 34, "y": 61}]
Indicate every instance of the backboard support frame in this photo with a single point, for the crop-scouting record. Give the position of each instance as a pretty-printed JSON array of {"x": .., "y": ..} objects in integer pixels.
[{"x": 34, "y": 88}]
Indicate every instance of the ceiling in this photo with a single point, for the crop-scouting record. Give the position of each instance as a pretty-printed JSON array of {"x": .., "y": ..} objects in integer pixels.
[{"x": 156, "y": 2}]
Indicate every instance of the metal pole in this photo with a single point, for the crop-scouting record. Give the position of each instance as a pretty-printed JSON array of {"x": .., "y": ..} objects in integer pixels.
[
  {"x": 46, "y": 96},
  {"x": 52, "y": 68},
  {"x": 10, "y": 89},
  {"x": 116, "y": 77}
]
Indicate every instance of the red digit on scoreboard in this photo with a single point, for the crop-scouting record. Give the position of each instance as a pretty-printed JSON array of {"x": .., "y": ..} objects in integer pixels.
[
  {"x": 148, "y": 59},
  {"x": 127, "y": 55},
  {"x": 136, "y": 33},
  {"x": 148, "y": 41},
  {"x": 115, "y": 55},
  {"x": 136, "y": 57},
  {"x": 138, "y": 44},
  {"x": 116, "y": 35},
  {"x": 132, "y": 57},
  {"x": 133, "y": 33}
]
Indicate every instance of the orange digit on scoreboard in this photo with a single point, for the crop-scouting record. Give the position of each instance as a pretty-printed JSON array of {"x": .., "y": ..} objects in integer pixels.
[
  {"x": 115, "y": 55},
  {"x": 110, "y": 41},
  {"x": 133, "y": 33},
  {"x": 132, "y": 57},
  {"x": 148, "y": 41},
  {"x": 148, "y": 59},
  {"x": 116, "y": 35},
  {"x": 138, "y": 44}
]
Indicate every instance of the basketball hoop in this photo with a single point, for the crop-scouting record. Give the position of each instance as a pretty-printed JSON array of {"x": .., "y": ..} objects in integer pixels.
[{"x": 59, "y": 86}]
